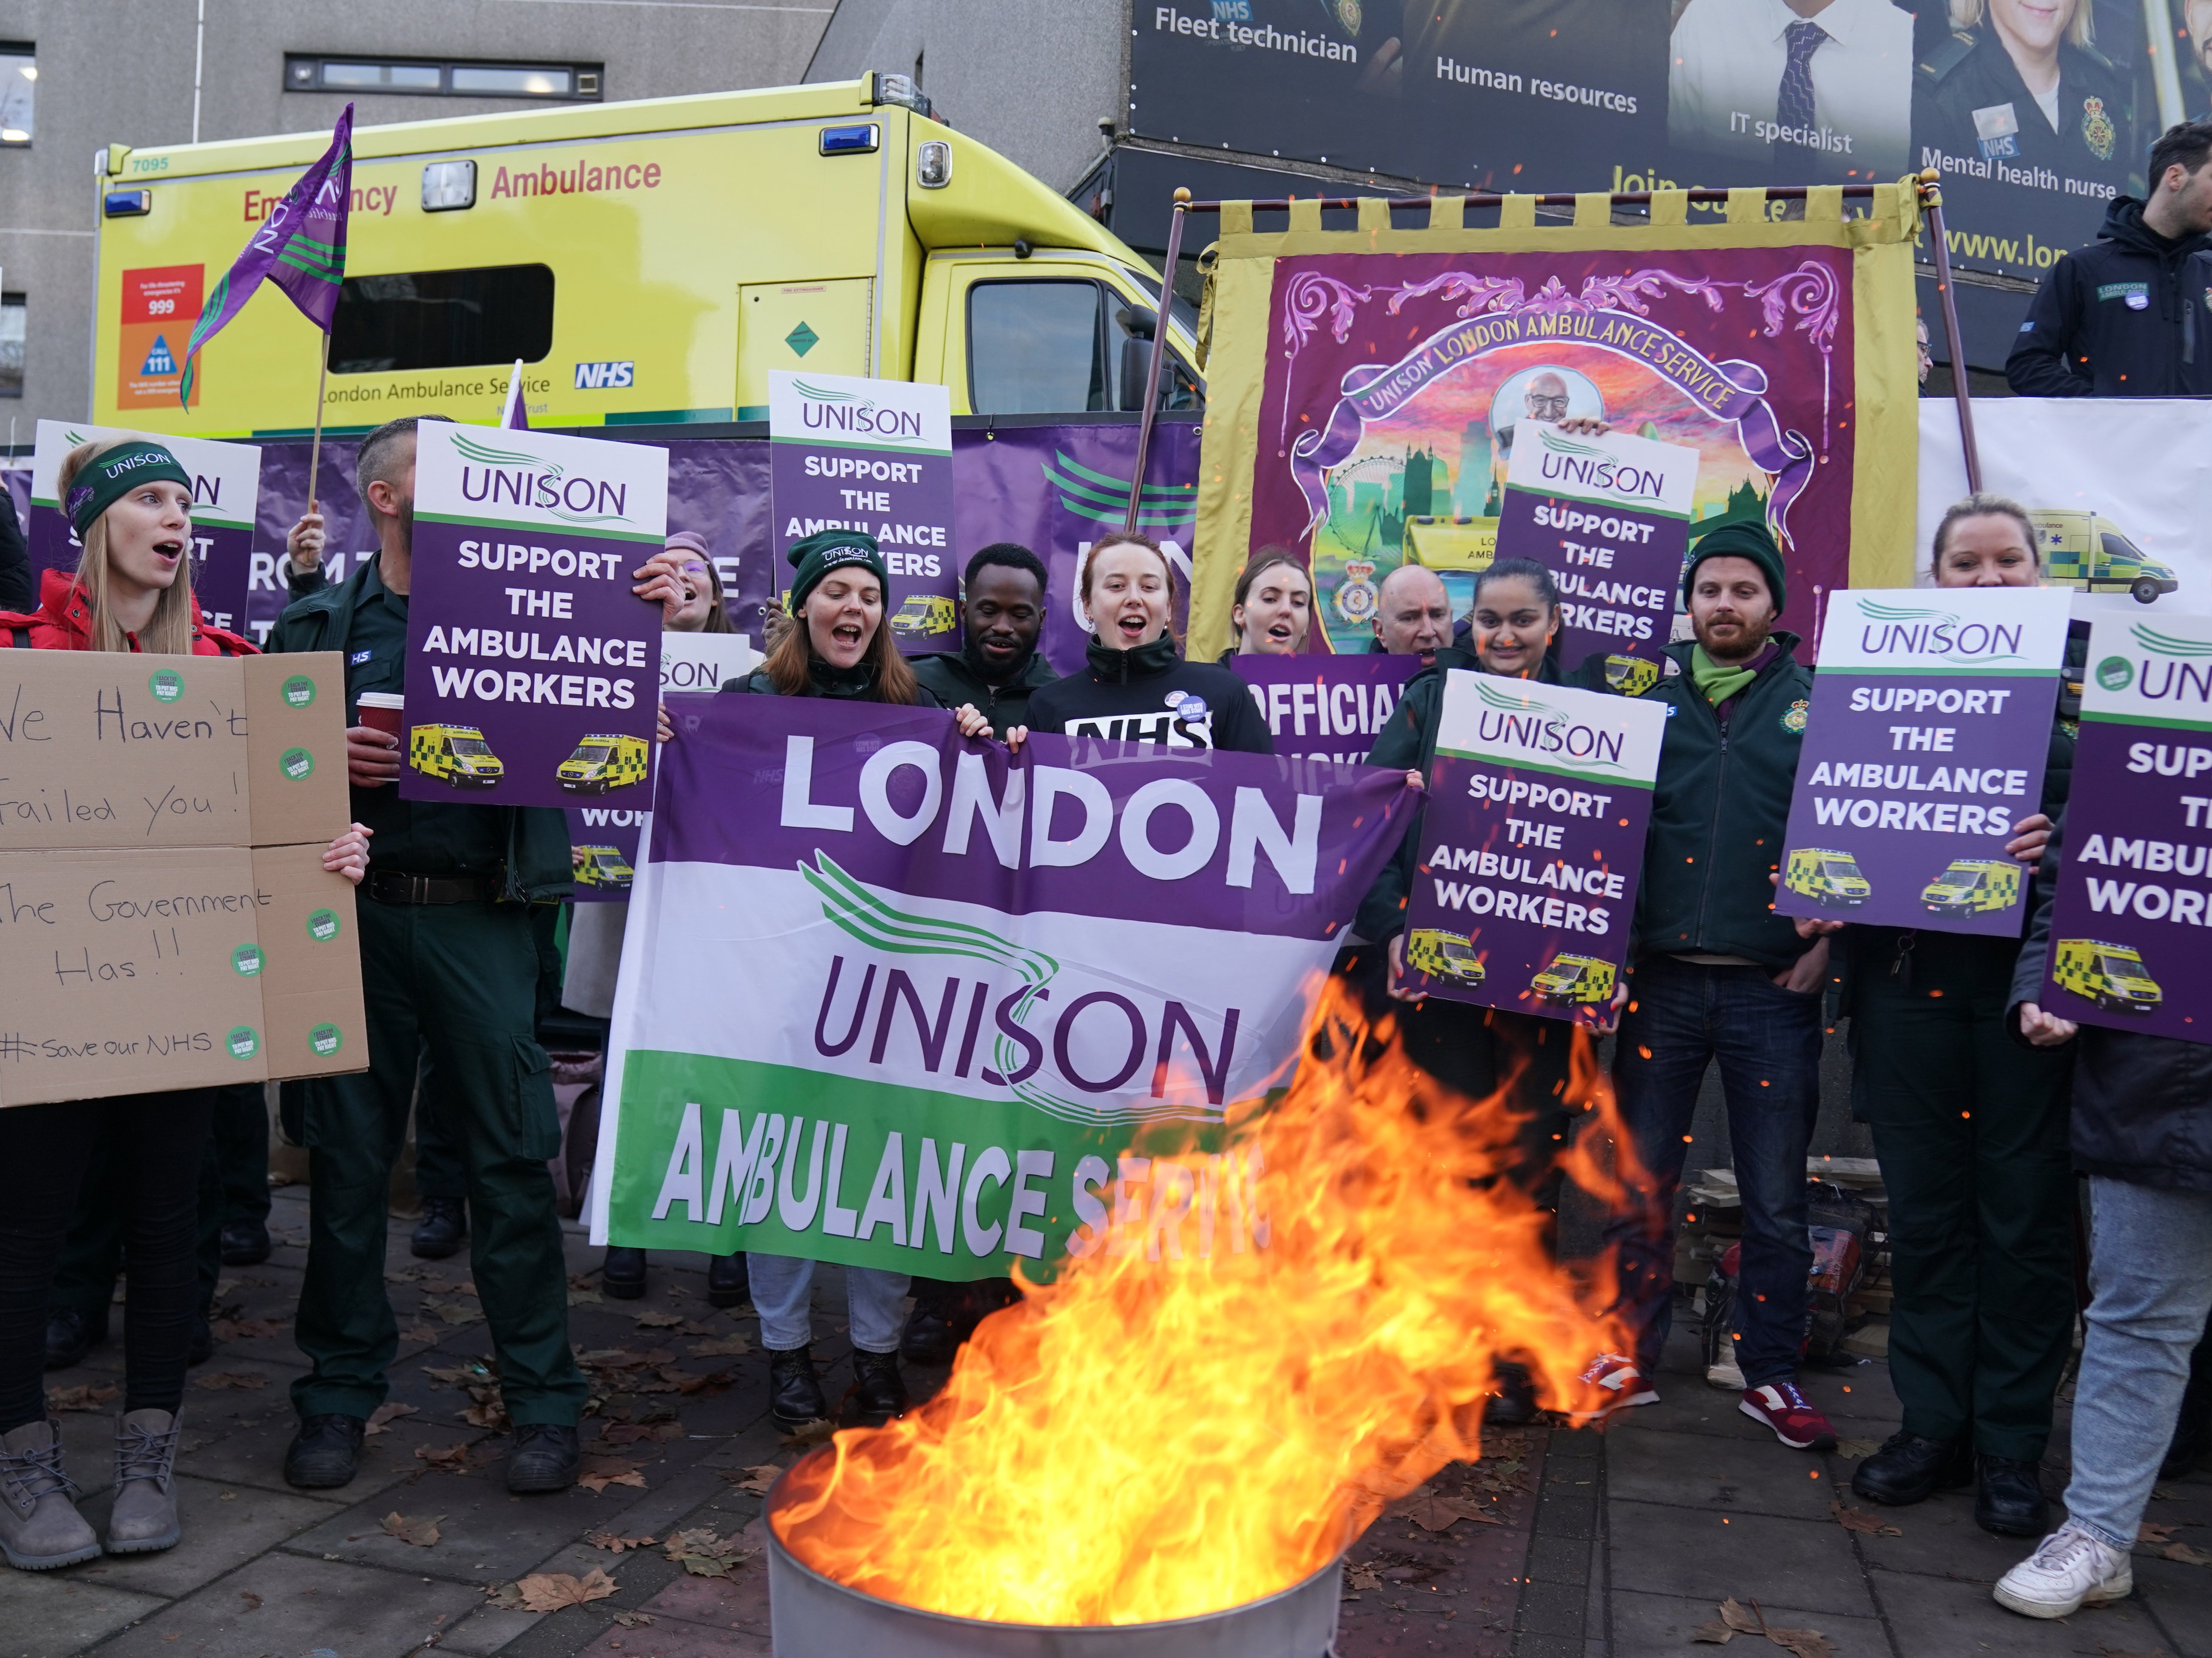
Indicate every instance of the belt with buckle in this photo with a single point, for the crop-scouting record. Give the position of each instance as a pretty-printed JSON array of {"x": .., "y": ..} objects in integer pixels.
[{"x": 393, "y": 886}]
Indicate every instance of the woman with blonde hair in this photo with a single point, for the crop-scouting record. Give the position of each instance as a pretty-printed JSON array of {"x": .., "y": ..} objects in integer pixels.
[
  {"x": 130, "y": 504},
  {"x": 2021, "y": 84}
]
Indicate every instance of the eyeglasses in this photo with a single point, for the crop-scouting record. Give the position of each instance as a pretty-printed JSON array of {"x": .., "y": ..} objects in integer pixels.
[{"x": 1542, "y": 405}]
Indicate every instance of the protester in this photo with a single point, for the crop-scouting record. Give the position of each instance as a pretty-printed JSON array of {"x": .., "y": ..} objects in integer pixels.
[
  {"x": 1136, "y": 685},
  {"x": 1472, "y": 1050},
  {"x": 1971, "y": 1131},
  {"x": 450, "y": 964},
  {"x": 130, "y": 503},
  {"x": 997, "y": 668},
  {"x": 1718, "y": 975},
  {"x": 1272, "y": 608},
  {"x": 2125, "y": 316},
  {"x": 1413, "y": 614}
]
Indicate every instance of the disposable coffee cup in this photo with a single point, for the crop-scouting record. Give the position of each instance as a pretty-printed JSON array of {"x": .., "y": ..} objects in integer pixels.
[{"x": 382, "y": 710}]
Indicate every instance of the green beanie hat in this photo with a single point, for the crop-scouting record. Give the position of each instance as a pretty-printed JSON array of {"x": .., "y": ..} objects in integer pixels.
[
  {"x": 832, "y": 550},
  {"x": 1741, "y": 538}
]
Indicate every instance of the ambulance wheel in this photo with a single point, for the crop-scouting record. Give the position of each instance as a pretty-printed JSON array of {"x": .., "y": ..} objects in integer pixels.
[{"x": 2145, "y": 592}]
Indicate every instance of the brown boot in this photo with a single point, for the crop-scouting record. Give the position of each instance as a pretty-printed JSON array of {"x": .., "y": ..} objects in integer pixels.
[
  {"x": 144, "y": 1518},
  {"x": 39, "y": 1525}
]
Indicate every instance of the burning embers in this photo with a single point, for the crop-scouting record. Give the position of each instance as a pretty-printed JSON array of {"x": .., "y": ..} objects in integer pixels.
[{"x": 1145, "y": 1440}]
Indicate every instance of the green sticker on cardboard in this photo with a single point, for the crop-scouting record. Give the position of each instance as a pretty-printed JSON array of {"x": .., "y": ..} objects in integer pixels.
[
  {"x": 297, "y": 764},
  {"x": 325, "y": 1040},
  {"x": 298, "y": 691},
  {"x": 244, "y": 1041},
  {"x": 248, "y": 960},
  {"x": 323, "y": 926},
  {"x": 166, "y": 684}
]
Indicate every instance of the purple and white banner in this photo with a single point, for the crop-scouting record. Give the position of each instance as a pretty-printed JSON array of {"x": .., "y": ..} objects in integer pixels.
[
  {"x": 2131, "y": 930},
  {"x": 536, "y": 669},
  {"x": 1924, "y": 747},
  {"x": 989, "y": 973},
  {"x": 1531, "y": 846},
  {"x": 1326, "y": 707},
  {"x": 874, "y": 456}
]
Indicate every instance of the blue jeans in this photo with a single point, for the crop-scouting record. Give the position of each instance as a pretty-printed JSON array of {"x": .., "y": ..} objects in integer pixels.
[
  {"x": 1680, "y": 1017},
  {"x": 2150, "y": 1252},
  {"x": 780, "y": 1286}
]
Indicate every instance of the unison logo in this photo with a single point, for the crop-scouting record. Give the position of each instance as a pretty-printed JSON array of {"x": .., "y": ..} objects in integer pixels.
[
  {"x": 1566, "y": 462},
  {"x": 502, "y": 475},
  {"x": 1507, "y": 720},
  {"x": 2172, "y": 671},
  {"x": 823, "y": 409},
  {"x": 1901, "y": 630}
]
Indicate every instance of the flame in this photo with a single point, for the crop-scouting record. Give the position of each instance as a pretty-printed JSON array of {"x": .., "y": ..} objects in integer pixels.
[{"x": 1151, "y": 1437}]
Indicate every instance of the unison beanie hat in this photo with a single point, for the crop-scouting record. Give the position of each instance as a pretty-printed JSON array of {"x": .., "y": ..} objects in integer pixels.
[
  {"x": 108, "y": 477},
  {"x": 831, "y": 549},
  {"x": 1742, "y": 538}
]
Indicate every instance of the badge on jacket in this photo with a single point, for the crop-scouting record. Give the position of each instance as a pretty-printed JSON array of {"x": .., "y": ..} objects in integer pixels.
[
  {"x": 1997, "y": 129},
  {"x": 2097, "y": 127},
  {"x": 1793, "y": 718}
]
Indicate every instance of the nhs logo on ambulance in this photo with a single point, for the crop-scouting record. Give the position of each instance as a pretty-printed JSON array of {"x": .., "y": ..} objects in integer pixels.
[{"x": 604, "y": 376}]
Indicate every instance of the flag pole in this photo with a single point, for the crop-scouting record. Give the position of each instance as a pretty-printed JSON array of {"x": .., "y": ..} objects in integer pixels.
[{"x": 315, "y": 454}]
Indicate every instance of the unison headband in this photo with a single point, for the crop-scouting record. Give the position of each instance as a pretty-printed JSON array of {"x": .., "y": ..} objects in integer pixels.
[{"x": 111, "y": 477}]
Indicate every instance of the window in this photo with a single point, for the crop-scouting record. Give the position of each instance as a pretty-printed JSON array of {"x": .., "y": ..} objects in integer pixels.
[
  {"x": 1036, "y": 348},
  {"x": 14, "y": 331},
  {"x": 446, "y": 78},
  {"x": 443, "y": 319},
  {"x": 19, "y": 79}
]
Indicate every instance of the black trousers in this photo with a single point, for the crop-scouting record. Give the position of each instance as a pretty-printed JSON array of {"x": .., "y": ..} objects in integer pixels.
[{"x": 158, "y": 1142}]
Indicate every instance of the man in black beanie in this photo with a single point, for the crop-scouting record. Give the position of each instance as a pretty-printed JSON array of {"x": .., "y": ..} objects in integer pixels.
[{"x": 1718, "y": 975}]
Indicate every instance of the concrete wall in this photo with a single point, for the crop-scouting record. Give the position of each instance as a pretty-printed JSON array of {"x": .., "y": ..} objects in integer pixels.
[{"x": 120, "y": 71}]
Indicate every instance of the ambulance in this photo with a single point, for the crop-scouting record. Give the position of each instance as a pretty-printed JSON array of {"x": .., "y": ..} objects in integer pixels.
[
  {"x": 1444, "y": 954},
  {"x": 1571, "y": 981},
  {"x": 458, "y": 754},
  {"x": 922, "y": 615},
  {"x": 2081, "y": 549},
  {"x": 651, "y": 263},
  {"x": 1974, "y": 886},
  {"x": 2111, "y": 975},
  {"x": 1829, "y": 879},
  {"x": 602, "y": 761},
  {"x": 604, "y": 867}
]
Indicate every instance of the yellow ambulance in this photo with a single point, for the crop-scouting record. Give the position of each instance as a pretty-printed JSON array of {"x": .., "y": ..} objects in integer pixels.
[
  {"x": 922, "y": 615},
  {"x": 2111, "y": 975},
  {"x": 458, "y": 754},
  {"x": 1444, "y": 954},
  {"x": 650, "y": 262},
  {"x": 1574, "y": 980},
  {"x": 602, "y": 761},
  {"x": 604, "y": 867},
  {"x": 2081, "y": 549},
  {"x": 1974, "y": 886},
  {"x": 1828, "y": 878}
]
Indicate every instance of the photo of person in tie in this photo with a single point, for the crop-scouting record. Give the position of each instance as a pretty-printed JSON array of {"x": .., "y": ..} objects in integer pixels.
[{"x": 1821, "y": 89}]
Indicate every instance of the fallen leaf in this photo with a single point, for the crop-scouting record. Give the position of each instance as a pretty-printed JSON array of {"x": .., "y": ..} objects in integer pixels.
[
  {"x": 381, "y": 1418},
  {"x": 1804, "y": 1642},
  {"x": 1736, "y": 1619},
  {"x": 727, "y": 1347},
  {"x": 1853, "y": 1449},
  {"x": 2150, "y": 1532},
  {"x": 755, "y": 1480},
  {"x": 692, "y": 1327},
  {"x": 629, "y": 1433},
  {"x": 504, "y": 1597},
  {"x": 1716, "y": 1633},
  {"x": 2187, "y": 1555},
  {"x": 613, "y": 1545},
  {"x": 453, "y": 1312},
  {"x": 1433, "y": 1512},
  {"x": 2120, "y": 1652},
  {"x": 421, "y": 1532},
  {"x": 87, "y": 1396},
  {"x": 252, "y": 1600},
  {"x": 703, "y": 1554},
  {"x": 1741, "y": 1618},
  {"x": 601, "y": 1471},
  {"x": 247, "y": 1379},
  {"x": 808, "y": 1433},
  {"x": 634, "y": 1619},
  {"x": 1851, "y": 1519},
  {"x": 1360, "y": 1575},
  {"x": 583, "y": 1297},
  {"x": 444, "y": 1459},
  {"x": 654, "y": 1318},
  {"x": 550, "y": 1591}
]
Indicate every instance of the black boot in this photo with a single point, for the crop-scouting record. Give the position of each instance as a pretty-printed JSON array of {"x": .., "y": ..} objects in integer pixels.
[
  {"x": 440, "y": 1233},
  {"x": 1513, "y": 1399},
  {"x": 547, "y": 1457},
  {"x": 244, "y": 1243},
  {"x": 2192, "y": 1427},
  {"x": 326, "y": 1453},
  {"x": 929, "y": 1336},
  {"x": 1911, "y": 1469},
  {"x": 71, "y": 1333},
  {"x": 621, "y": 1274},
  {"x": 2010, "y": 1501},
  {"x": 794, "y": 1391},
  {"x": 726, "y": 1284},
  {"x": 879, "y": 1391}
]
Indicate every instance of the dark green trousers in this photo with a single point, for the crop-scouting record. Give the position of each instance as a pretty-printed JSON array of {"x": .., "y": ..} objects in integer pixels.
[
  {"x": 460, "y": 981},
  {"x": 241, "y": 1139},
  {"x": 1971, "y": 1129}
]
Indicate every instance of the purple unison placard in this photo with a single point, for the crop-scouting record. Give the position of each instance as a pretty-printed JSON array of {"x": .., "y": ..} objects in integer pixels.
[
  {"x": 848, "y": 453},
  {"x": 1609, "y": 516},
  {"x": 2130, "y": 947},
  {"x": 1530, "y": 845},
  {"x": 1925, "y": 743},
  {"x": 1325, "y": 707},
  {"x": 533, "y": 671}
]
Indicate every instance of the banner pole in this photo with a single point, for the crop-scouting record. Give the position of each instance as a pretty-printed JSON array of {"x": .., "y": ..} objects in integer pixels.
[
  {"x": 1159, "y": 356},
  {"x": 315, "y": 453},
  {"x": 1931, "y": 202}
]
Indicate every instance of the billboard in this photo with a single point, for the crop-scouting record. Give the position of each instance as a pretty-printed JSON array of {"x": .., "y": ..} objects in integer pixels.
[{"x": 2037, "y": 112}]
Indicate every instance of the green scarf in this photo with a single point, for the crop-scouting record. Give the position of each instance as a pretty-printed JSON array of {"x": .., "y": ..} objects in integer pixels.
[{"x": 1718, "y": 681}]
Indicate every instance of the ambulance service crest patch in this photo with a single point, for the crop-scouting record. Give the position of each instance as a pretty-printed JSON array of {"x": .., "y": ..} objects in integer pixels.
[
  {"x": 1793, "y": 718},
  {"x": 2097, "y": 129}
]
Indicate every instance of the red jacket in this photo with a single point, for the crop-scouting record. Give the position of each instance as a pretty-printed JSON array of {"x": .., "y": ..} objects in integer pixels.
[{"x": 62, "y": 622}]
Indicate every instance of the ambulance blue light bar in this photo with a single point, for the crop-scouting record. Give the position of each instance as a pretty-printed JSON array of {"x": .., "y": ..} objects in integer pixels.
[
  {"x": 860, "y": 140},
  {"x": 128, "y": 204}
]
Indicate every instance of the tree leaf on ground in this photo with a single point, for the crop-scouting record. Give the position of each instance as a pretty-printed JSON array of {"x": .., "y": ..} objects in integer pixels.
[
  {"x": 634, "y": 1619},
  {"x": 583, "y": 1297},
  {"x": 1804, "y": 1642},
  {"x": 1853, "y": 1449},
  {"x": 252, "y": 1600},
  {"x": 550, "y": 1591},
  {"x": 613, "y": 1545},
  {"x": 453, "y": 1312},
  {"x": 703, "y": 1554},
  {"x": 444, "y": 1459},
  {"x": 1433, "y": 1512},
  {"x": 1717, "y": 1633},
  {"x": 726, "y": 1347},
  {"x": 1361, "y": 1576},
  {"x": 421, "y": 1531},
  {"x": 755, "y": 1480},
  {"x": 808, "y": 1433},
  {"x": 629, "y": 1433},
  {"x": 247, "y": 1379},
  {"x": 652, "y": 1318},
  {"x": 87, "y": 1396},
  {"x": 504, "y": 1597},
  {"x": 2187, "y": 1555},
  {"x": 1857, "y": 1520},
  {"x": 381, "y": 1418},
  {"x": 1743, "y": 1619},
  {"x": 601, "y": 1471},
  {"x": 2151, "y": 1531},
  {"x": 247, "y": 1329}
]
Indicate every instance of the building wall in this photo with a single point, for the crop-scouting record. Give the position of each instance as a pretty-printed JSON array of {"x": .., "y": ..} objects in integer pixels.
[{"x": 120, "y": 71}]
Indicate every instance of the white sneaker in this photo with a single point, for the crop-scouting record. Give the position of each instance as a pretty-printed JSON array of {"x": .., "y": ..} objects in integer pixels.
[
  {"x": 1725, "y": 1375},
  {"x": 2068, "y": 1570},
  {"x": 1622, "y": 1384}
]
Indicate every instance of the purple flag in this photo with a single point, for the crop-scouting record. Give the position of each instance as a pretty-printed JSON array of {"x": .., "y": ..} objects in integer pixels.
[{"x": 300, "y": 247}]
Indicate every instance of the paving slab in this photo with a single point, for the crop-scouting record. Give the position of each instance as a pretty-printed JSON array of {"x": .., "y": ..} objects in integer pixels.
[
  {"x": 1937, "y": 1617},
  {"x": 224, "y": 1528},
  {"x": 282, "y": 1604},
  {"x": 1642, "y": 1625},
  {"x": 1665, "y": 1550},
  {"x": 45, "y": 1614}
]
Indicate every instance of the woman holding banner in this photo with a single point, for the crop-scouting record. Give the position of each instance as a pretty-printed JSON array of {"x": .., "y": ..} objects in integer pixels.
[
  {"x": 1474, "y": 1051},
  {"x": 1272, "y": 606},
  {"x": 130, "y": 503},
  {"x": 1971, "y": 1129}
]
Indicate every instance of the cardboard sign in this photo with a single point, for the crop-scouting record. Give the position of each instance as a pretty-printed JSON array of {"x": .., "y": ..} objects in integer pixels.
[
  {"x": 2129, "y": 942},
  {"x": 1609, "y": 517},
  {"x": 1924, "y": 747},
  {"x": 226, "y": 491},
  {"x": 540, "y": 679},
  {"x": 1531, "y": 845},
  {"x": 848, "y": 454},
  {"x": 1326, "y": 707},
  {"x": 165, "y": 919}
]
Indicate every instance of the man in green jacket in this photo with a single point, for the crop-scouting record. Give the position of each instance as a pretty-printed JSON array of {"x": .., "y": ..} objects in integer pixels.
[
  {"x": 1719, "y": 976},
  {"x": 1001, "y": 617},
  {"x": 449, "y": 965}
]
